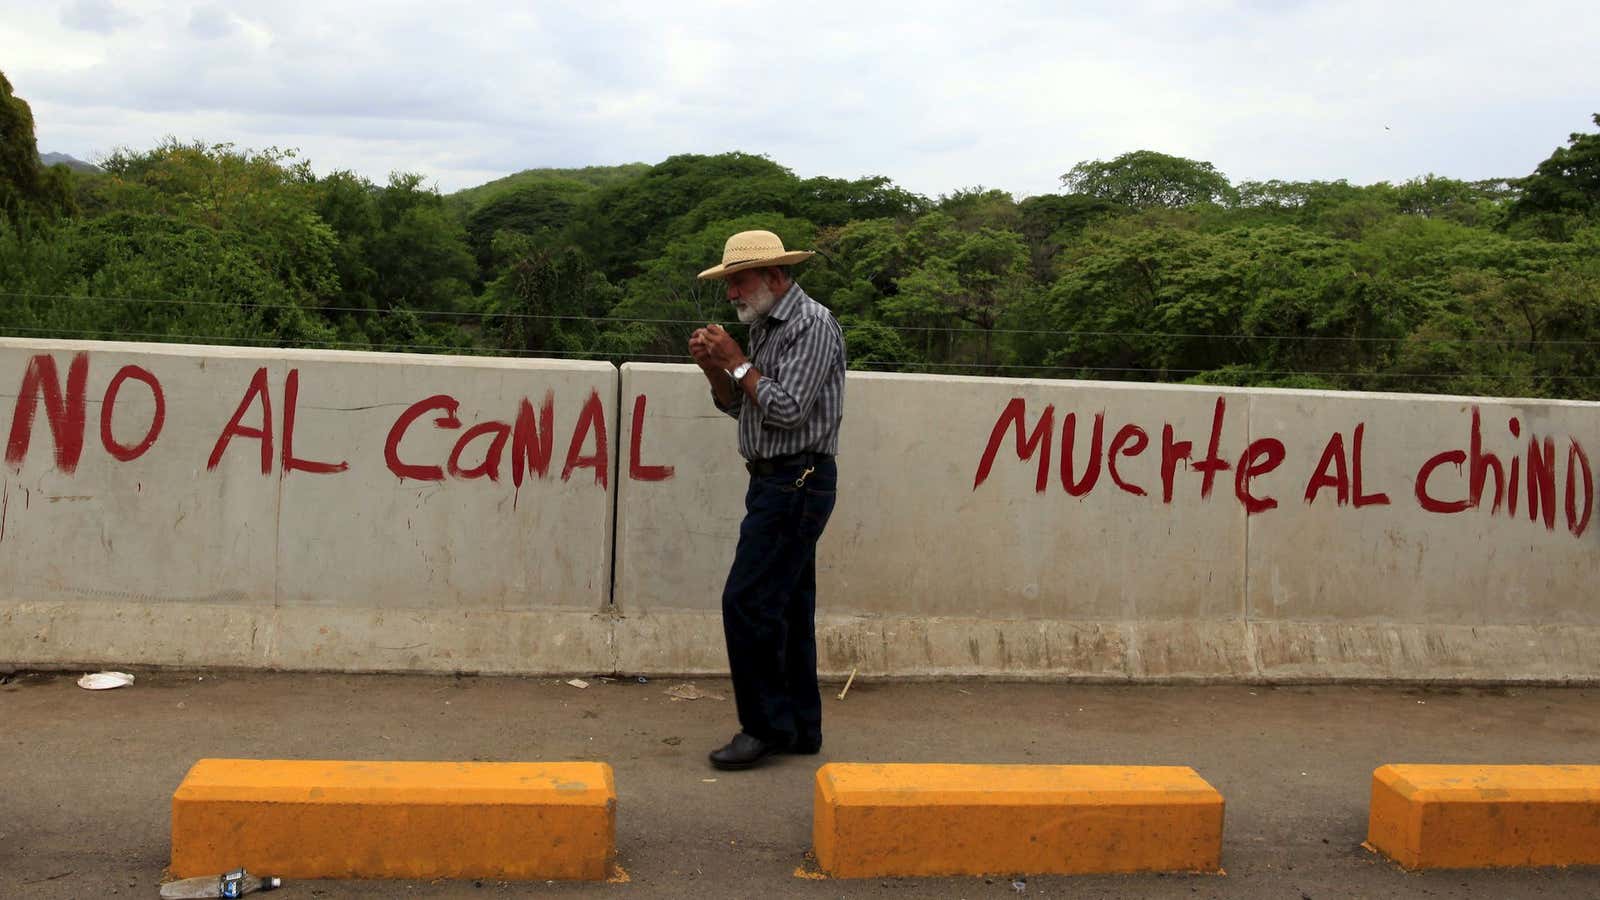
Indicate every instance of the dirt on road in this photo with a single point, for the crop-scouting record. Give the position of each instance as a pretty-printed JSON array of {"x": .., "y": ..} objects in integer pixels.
[{"x": 88, "y": 777}]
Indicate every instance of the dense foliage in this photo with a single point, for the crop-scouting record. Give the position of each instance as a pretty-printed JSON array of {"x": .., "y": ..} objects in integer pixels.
[{"x": 1147, "y": 266}]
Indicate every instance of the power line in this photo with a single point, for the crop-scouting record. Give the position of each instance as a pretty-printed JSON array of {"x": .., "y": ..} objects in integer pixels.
[
  {"x": 438, "y": 313},
  {"x": 271, "y": 343},
  {"x": 276, "y": 343},
  {"x": 919, "y": 329},
  {"x": 1264, "y": 373}
]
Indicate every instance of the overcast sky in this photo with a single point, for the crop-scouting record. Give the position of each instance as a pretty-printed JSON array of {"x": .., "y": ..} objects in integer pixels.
[{"x": 936, "y": 95}]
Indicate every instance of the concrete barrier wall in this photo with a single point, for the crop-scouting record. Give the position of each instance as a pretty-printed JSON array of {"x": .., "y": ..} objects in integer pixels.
[
  {"x": 1469, "y": 550},
  {"x": 303, "y": 509},
  {"x": 1048, "y": 529},
  {"x": 1204, "y": 533}
]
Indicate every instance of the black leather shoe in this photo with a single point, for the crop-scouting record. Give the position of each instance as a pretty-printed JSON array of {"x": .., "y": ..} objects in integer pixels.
[
  {"x": 806, "y": 748},
  {"x": 743, "y": 752}
]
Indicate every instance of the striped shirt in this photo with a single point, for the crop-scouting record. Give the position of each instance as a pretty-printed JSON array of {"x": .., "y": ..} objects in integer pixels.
[{"x": 799, "y": 350}]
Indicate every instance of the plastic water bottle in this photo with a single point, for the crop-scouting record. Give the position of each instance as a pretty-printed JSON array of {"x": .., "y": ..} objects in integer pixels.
[{"x": 229, "y": 884}]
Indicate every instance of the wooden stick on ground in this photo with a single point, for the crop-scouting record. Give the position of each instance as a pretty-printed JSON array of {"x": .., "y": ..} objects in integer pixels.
[{"x": 847, "y": 682}]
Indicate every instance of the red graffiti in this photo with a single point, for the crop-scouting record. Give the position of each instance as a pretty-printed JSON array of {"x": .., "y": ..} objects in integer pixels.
[
  {"x": 1479, "y": 464},
  {"x": 1346, "y": 477},
  {"x": 1091, "y": 469},
  {"x": 1363, "y": 498},
  {"x": 1261, "y": 457},
  {"x": 1212, "y": 464},
  {"x": 1339, "y": 479},
  {"x": 1428, "y": 502},
  {"x": 121, "y": 451},
  {"x": 1515, "y": 427},
  {"x": 532, "y": 440},
  {"x": 490, "y": 466},
  {"x": 591, "y": 419},
  {"x": 1541, "y": 482},
  {"x": 1500, "y": 477},
  {"x": 637, "y": 470},
  {"x": 1341, "y": 468},
  {"x": 397, "y": 432},
  {"x": 257, "y": 388},
  {"x": 291, "y": 403},
  {"x": 1578, "y": 461},
  {"x": 64, "y": 413},
  {"x": 1542, "y": 479},
  {"x": 1171, "y": 452},
  {"x": 292, "y": 463},
  {"x": 1013, "y": 418},
  {"x": 1130, "y": 441}
]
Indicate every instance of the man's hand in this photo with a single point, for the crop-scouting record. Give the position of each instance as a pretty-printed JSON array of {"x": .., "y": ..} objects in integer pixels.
[
  {"x": 715, "y": 351},
  {"x": 713, "y": 347},
  {"x": 699, "y": 348}
]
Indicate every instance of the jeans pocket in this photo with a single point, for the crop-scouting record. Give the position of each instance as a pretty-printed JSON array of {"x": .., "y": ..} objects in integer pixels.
[{"x": 816, "y": 508}]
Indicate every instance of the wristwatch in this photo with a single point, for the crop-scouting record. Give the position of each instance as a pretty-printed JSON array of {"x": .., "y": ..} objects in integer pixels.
[{"x": 738, "y": 372}]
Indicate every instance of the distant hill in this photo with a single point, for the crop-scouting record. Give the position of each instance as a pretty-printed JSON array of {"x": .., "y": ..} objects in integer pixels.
[
  {"x": 578, "y": 181},
  {"x": 71, "y": 162}
]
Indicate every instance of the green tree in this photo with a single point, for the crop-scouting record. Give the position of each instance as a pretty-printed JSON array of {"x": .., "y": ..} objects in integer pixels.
[
  {"x": 980, "y": 207},
  {"x": 577, "y": 181},
  {"x": 537, "y": 209},
  {"x": 666, "y": 300},
  {"x": 876, "y": 347},
  {"x": 1153, "y": 268},
  {"x": 858, "y": 264},
  {"x": 1563, "y": 190},
  {"x": 1051, "y": 222},
  {"x": 837, "y": 201},
  {"x": 405, "y": 274},
  {"x": 264, "y": 201},
  {"x": 548, "y": 300},
  {"x": 623, "y": 225},
  {"x": 1144, "y": 178},
  {"x": 420, "y": 251},
  {"x": 348, "y": 204},
  {"x": 145, "y": 276},
  {"x": 1142, "y": 303},
  {"x": 27, "y": 188},
  {"x": 970, "y": 279}
]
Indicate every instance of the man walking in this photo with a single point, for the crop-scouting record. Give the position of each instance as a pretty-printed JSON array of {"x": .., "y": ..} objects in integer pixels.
[{"x": 788, "y": 396}]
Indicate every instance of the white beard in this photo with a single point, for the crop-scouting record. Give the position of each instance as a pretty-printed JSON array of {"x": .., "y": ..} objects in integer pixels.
[{"x": 756, "y": 306}]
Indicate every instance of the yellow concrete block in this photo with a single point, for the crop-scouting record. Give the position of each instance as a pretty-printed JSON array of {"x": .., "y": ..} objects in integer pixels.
[
  {"x": 1475, "y": 817},
  {"x": 338, "y": 819},
  {"x": 886, "y": 820}
]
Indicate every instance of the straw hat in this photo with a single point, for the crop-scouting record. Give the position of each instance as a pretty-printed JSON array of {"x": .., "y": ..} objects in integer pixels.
[{"x": 752, "y": 250}]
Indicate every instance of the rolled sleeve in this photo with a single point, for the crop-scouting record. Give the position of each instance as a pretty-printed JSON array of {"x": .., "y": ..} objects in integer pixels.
[
  {"x": 732, "y": 409},
  {"x": 785, "y": 405}
]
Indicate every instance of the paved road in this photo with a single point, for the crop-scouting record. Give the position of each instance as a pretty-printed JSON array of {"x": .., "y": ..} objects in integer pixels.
[{"x": 88, "y": 775}]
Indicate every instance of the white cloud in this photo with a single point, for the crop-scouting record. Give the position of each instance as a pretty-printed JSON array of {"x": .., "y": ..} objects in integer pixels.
[
  {"x": 209, "y": 22},
  {"x": 101, "y": 16},
  {"x": 1009, "y": 94}
]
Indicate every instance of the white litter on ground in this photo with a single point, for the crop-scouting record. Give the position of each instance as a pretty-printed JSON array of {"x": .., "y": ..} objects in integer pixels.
[
  {"x": 687, "y": 691},
  {"x": 105, "y": 681}
]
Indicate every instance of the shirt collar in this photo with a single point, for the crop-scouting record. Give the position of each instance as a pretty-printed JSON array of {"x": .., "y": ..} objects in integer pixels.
[{"x": 788, "y": 304}]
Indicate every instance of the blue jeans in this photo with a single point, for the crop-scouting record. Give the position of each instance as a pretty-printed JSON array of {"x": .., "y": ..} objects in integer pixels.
[{"x": 770, "y": 603}]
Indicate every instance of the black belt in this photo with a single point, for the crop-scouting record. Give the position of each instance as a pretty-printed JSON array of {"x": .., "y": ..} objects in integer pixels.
[{"x": 785, "y": 463}]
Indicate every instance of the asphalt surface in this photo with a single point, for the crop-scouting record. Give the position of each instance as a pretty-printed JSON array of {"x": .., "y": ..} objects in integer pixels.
[{"x": 88, "y": 777}]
